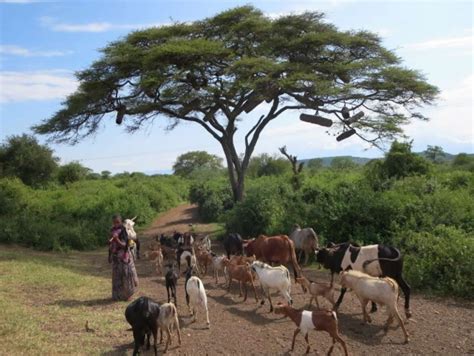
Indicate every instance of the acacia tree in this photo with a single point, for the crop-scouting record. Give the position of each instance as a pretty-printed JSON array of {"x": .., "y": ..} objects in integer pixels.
[
  {"x": 190, "y": 162},
  {"x": 216, "y": 71}
]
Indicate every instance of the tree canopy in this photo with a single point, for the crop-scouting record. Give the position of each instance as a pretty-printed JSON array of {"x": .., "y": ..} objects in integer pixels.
[
  {"x": 216, "y": 71},
  {"x": 191, "y": 162},
  {"x": 23, "y": 157},
  {"x": 72, "y": 172}
]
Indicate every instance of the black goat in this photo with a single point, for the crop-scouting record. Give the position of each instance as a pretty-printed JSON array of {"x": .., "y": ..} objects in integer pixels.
[
  {"x": 142, "y": 314},
  {"x": 171, "y": 280}
]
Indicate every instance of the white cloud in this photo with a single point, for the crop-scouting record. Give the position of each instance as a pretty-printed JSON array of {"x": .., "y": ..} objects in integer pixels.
[
  {"x": 462, "y": 42},
  {"x": 12, "y": 50},
  {"x": 452, "y": 119},
  {"x": 54, "y": 25},
  {"x": 35, "y": 85}
]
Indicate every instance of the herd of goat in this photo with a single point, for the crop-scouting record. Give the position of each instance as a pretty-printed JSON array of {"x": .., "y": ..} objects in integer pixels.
[{"x": 373, "y": 272}]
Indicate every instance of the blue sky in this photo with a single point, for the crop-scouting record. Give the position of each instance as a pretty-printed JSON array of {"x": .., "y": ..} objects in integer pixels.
[{"x": 43, "y": 43}]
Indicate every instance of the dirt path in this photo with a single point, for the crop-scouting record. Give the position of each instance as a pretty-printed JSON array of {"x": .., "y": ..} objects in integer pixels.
[{"x": 439, "y": 326}]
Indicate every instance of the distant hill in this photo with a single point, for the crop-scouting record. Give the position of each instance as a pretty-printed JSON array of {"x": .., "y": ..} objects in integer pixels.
[
  {"x": 363, "y": 160},
  {"x": 327, "y": 160}
]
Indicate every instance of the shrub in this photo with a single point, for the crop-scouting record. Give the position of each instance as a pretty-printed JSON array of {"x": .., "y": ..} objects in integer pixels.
[
  {"x": 213, "y": 198},
  {"x": 78, "y": 217},
  {"x": 441, "y": 261}
]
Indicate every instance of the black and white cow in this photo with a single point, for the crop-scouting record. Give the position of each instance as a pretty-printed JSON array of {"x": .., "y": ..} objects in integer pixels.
[{"x": 375, "y": 260}]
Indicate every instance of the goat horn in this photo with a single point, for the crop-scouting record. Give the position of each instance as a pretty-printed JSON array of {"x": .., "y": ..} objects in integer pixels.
[{"x": 133, "y": 219}]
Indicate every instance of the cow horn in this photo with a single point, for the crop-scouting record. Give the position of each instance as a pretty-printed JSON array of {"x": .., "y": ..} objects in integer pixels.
[{"x": 133, "y": 219}]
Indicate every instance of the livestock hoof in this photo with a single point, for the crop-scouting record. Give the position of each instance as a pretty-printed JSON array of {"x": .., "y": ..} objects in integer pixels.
[
  {"x": 408, "y": 313},
  {"x": 208, "y": 326},
  {"x": 407, "y": 340},
  {"x": 262, "y": 302}
]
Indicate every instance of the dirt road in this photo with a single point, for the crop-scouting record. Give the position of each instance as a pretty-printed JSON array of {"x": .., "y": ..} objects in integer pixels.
[{"x": 439, "y": 326}]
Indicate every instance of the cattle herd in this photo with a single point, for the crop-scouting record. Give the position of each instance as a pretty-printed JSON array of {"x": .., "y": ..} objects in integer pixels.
[{"x": 373, "y": 273}]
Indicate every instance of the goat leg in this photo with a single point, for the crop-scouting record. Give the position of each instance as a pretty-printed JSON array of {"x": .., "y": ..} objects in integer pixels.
[
  {"x": 294, "y": 337},
  {"x": 307, "y": 343}
]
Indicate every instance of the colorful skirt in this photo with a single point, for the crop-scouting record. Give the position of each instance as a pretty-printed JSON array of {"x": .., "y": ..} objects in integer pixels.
[{"x": 124, "y": 279}]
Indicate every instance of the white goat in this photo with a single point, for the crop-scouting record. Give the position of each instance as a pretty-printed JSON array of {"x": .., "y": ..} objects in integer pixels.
[
  {"x": 218, "y": 265},
  {"x": 273, "y": 277},
  {"x": 188, "y": 259},
  {"x": 379, "y": 290},
  {"x": 167, "y": 319},
  {"x": 196, "y": 296},
  {"x": 132, "y": 235}
]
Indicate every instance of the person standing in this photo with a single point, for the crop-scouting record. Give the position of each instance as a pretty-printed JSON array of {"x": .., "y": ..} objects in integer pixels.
[{"x": 124, "y": 274}]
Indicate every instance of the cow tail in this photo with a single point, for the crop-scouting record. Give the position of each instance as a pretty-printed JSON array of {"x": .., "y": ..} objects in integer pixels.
[
  {"x": 294, "y": 261},
  {"x": 396, "y": 259}
]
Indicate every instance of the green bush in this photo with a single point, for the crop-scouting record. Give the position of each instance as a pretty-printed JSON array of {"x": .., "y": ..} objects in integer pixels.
[
  {"x": 78, "y": 216},
  {"x": 441, "y": 261},
  {"x": 213, "y": 197}
]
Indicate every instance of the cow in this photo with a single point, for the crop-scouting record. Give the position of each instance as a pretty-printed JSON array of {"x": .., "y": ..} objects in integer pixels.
[
  {"x": 233, "y": 244},
  {"x": 273, "y": 249},
  {"x": 375, "y": 260},
  {"x": 306, "y": 241}
]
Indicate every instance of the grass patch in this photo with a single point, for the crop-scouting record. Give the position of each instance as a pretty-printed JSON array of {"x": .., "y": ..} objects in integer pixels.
[{"x": 47, "y": 298}]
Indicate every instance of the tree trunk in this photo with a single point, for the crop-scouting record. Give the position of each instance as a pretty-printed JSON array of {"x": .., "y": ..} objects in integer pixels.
[{"x": 234, "y": 169}]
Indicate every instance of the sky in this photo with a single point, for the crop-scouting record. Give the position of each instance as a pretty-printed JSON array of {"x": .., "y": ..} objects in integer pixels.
[{"x": 42, "y": 44}]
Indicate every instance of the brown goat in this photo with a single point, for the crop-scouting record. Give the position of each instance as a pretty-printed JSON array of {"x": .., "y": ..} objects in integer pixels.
[
  {"x": 316, "y": 289},
  {"x": 242, "y": 260},
  {"x": 156, "y": 256},
  {"x": 204, "y": 259},
  {"x": 312, "y": 320},
  {"x": 241, "y": 273}
]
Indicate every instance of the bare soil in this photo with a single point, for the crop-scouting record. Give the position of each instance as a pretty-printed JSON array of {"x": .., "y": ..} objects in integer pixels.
[{"x": 439, "y": 326}]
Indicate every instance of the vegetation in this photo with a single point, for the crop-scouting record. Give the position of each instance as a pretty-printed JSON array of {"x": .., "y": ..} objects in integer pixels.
[
  {"x": 215, "y": 71},
  {"x": 196, "y": 162},
  {"x": 427, "y": 211},
  {"x": 23, "y": 157},
  {"x": 77, "y": 216},
  {"x": 47, "y": 298}
]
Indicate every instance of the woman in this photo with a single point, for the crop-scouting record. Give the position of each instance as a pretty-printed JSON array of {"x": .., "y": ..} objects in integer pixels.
[{"x": 124, "y": 274}]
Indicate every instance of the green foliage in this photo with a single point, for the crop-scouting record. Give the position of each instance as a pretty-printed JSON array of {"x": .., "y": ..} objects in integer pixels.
[
  {"x": 267, "y": 165},
  {"x": 78, "y": 217},
  {"x": 105, "y": 174},
  {"x": 435, "y": 154},
  {"x": 23, "y": 157},
  {"x": 402, "y": 162},
  {"x": 213, "y": 197},
  {"x": 196, "y": 162},
  {"x": 315, "y": 164},
  {"x": 464, "y": 161},
  {"x": 441, "y": 261},
  {"x": 72, "y": 172},
  {"x": 434, "y": 211},
  {"x": 262, "y": 210},
  {"x": 343, "y": 163}
]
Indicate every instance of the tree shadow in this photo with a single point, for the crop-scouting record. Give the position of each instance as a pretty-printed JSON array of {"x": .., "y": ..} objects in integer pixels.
[{"x": 72, "y": 303}]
